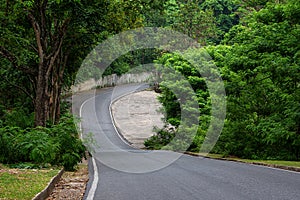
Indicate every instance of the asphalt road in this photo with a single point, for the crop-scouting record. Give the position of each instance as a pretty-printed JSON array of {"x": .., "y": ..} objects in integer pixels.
[{"x": 124, "y": 173}]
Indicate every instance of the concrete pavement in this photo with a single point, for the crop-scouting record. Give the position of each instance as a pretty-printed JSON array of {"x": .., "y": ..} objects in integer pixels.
[
  {"x": 124, "y": 173},
  {"x": 136, "y": 114}
]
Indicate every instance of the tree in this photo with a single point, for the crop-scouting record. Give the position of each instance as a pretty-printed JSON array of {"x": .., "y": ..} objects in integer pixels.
[
  {"x": 226, "y": 14},
  {"x": 38, "y": 22},
  {"x": 47, "y": 39},
  {"x": 260, "y": 64},
  {"x": 188, "y": 18},
  {"x": 184, "y": 95}
]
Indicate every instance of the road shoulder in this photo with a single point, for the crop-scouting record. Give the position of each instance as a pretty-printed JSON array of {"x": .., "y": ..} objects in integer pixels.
[{"x": 135, "y": 115}]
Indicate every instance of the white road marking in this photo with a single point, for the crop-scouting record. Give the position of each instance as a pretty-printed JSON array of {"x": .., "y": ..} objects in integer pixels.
[
  {"x": 112, "y": 119},
  {"x": 93, "y": 188},
  {"x": 95, "y": 182},
  {"x": 80, "y": 109}
]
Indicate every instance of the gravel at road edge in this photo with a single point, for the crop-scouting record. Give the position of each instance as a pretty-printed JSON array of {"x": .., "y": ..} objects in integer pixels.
[{"x": 72, "y": 184}]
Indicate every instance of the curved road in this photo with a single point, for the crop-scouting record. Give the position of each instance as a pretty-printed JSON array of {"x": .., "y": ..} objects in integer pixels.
[{"x": 125, "y": 173}]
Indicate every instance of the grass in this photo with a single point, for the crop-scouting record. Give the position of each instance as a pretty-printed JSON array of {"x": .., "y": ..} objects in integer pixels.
[
  {"x": 23, "y": 183},
  {"x": 273, "y": 162},
  {"x": 267, "y": 162}
]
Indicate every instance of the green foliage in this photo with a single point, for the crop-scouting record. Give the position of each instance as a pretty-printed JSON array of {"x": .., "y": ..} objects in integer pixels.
[
  {"x": 71, "y": 149},
  {"x": 260, "y": 66},
  {"x": 190, "y": 19},
  {"x": 183, "y": 92},
  {"x": 12, "y": 86},
  {"x": 206, "y": 21},
  {"x": 37, "y": 146},
  {"x": 18, "y": 118},
  {"x": 55, "y": 145},
  {"x": 131, "y": 60},
  {"x": 58, "y": 35},
  {"x": 259, "y": 61},
  {"x": 159, "y": 140},
  {"x": 225, "y": 13}
]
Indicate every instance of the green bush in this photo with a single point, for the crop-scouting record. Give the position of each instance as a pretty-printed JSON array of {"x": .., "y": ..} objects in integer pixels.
[
  {"x": 8, "y": 150},
  {"x": 18, "y": 117},
  {"x": 71, "y": 148},
  {"x": 56, "y": 145},
  {"x": 159, "y": 140}
]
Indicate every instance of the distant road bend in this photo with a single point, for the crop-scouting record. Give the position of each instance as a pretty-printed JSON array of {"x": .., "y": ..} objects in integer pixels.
[{"x": 120, "y": 172}]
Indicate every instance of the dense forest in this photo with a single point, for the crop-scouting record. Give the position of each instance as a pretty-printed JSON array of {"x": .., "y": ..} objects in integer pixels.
[{"x": 254, "y": 44}]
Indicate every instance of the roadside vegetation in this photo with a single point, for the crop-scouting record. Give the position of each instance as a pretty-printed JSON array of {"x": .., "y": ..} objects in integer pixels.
[
  {"x": 43, "y": 43},
  {"x": 254, "y": 44},
  {"x": 258, "y": 57},
  {"x": 272, "y": 163},
  {"x": 23, "y": 184},
  {"x": 54, "y": 145}
]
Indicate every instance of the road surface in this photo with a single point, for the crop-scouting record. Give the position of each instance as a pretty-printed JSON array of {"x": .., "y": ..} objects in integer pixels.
[{"x": 120, "y": 172}]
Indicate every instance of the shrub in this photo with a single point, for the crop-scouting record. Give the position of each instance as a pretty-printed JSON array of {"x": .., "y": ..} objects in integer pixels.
[
  {"x": 18, "y": 118},
  {"x": 159, "y": 140},
  {"x": 56, "y": 145}
]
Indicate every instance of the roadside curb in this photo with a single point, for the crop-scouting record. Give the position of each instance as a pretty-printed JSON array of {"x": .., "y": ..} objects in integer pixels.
[
  {"x": 119, "y": 130},
  {"x": 289, "y": 168},
  {"x": 47, "y": 191}
]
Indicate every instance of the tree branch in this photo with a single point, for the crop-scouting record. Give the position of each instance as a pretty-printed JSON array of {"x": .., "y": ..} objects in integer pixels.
[
  {"x": 14, "y": 61},
  {"x": 43, "y": 23},
  {"x": 54, "y": 57},
  {"x": 19, "y": 87},
  {"x": 59, "y": 38},
  {"x": 254, "y": 82},
  {"x": 37, "y": 32},
  {"x": 58, "y": 44}
]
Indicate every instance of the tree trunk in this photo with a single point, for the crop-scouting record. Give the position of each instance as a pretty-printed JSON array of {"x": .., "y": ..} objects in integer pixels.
[
  {"x": 50, "y": 73},
  {"x": 54, "y": 99},
  {"x": 46, "y": 76},
  {"x": 41, "y": 99},
  {"x": 56, "y": 85}
]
